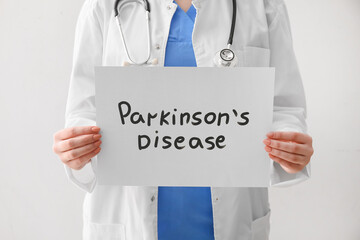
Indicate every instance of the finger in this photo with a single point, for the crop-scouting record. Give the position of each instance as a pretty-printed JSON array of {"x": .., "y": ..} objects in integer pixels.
[
  {"x": 79, "y": 163},
  {"x": 78, "y": 152},
  {"x": 290, "y": 147},
  {"x": 75, "y": 131},
  {"x": 287, "y": 166},
  {"x": 290, "y": 136},
  {"x": 290, "y": 157},
  {"x": 76, "y": 142}
]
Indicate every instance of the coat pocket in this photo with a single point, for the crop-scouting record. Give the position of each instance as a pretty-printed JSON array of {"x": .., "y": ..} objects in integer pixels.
[
  {"x": 260, "y": 227},
  {"x": 256, "y": 57},
  {"x": 100, "y": 231}
]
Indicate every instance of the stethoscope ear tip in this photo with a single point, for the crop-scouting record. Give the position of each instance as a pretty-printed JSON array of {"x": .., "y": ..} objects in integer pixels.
[
  {"x": 155, "y": 61},
  {"x": 126, "y": 64}
]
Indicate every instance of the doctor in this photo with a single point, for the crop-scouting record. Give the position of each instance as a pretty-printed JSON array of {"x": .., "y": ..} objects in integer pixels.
[{"x": 262, "y": 38}]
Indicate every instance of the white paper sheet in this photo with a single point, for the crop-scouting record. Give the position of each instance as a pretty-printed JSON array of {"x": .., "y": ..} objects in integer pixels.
[{"x": 243, "y": 96}]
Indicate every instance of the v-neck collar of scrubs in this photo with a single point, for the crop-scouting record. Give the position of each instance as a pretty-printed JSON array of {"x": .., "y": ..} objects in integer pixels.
[
  {"x": 179, "y": 49},
  {"x": 182, "y": 24},
  {"x": 191, "y": 12}
]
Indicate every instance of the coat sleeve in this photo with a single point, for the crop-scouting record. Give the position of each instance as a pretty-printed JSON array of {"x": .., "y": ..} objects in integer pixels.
[
  {"x": 289, "y": 97},
  {"x": 80, "y": 107}
]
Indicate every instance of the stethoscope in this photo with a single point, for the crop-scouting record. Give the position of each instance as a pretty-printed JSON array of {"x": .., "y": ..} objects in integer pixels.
[{"x": 223, "y": 58}]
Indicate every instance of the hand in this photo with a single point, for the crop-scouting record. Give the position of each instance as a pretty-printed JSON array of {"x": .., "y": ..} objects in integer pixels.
[
  {"x": 292, "y": 150},
  {"x": 77, "y": 145}
]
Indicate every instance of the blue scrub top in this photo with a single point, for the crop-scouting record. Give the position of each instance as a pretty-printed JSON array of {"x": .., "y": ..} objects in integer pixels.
[{"x": 183, "y": 212}]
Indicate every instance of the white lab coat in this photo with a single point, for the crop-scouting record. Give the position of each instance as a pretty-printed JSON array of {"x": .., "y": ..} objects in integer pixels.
[{"x": 262, "y": 39}]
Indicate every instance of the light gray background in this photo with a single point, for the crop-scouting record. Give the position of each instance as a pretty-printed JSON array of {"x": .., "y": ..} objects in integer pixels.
[{"x": 38, "y": 202}]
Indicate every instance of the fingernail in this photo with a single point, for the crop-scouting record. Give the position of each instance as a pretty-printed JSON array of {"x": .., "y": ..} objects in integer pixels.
[
  {"x": 268, "y": 149},
  {"x": 267, "y": 141},
  {"x": 95, "y": 129},
  {"x": 96, "y": 136},
  {"x": 97, "y": 143},
  {"x": 270, "y": 134},
  {"x": 97, "y": 150}
]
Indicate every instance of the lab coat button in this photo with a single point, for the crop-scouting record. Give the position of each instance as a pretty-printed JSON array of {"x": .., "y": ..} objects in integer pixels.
[
  {"x": 168, "y": 7},
  {"x": 157, "y": 46},
  {"x": 152, "y": 198}
]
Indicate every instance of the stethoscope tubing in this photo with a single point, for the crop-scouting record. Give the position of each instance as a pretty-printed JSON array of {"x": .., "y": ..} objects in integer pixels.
[
  {"x": 147, "y": 16},
  {"x": 233, "y": 23}
]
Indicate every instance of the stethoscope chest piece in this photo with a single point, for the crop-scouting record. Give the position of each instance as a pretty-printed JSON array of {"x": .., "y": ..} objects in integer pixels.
[{"x": 225, "y": 58}]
